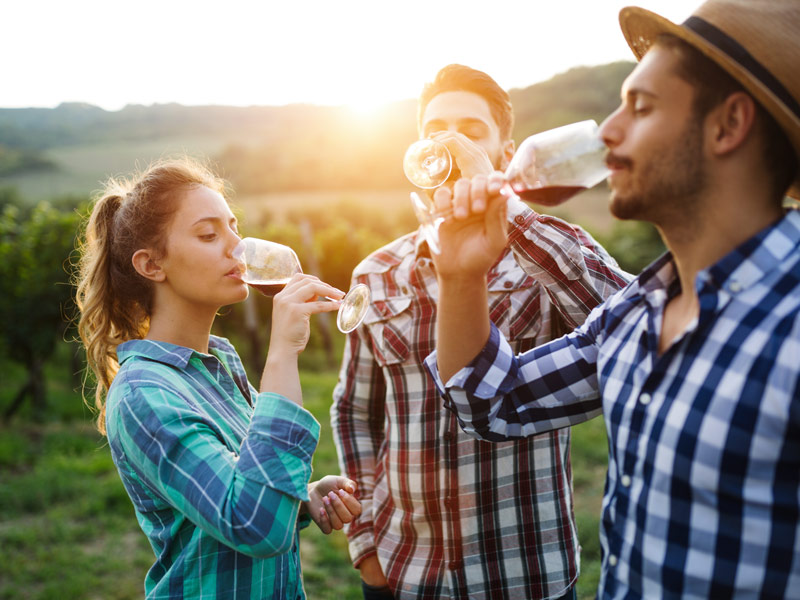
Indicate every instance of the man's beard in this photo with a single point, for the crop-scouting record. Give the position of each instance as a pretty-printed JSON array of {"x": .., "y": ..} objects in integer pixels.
[{"x": 665, "y": 185}]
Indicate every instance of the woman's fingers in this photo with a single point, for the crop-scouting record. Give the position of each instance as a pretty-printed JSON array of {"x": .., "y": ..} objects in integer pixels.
[
  {"x": 333, "y": 514},
  {"x": 308, "y": 287},
  {"x": 323, "y": 521}
]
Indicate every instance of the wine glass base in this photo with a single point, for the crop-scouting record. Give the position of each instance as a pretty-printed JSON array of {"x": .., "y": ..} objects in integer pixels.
[{"x": 353, "y": 308}]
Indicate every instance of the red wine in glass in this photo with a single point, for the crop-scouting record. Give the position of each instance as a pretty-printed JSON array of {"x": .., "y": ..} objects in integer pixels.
[
  {"x": 268, "y": 289},
  {"x": 547, "y": 169},
  {"x": 551, "y": 195},
  {"x": 269, "y": 266}
]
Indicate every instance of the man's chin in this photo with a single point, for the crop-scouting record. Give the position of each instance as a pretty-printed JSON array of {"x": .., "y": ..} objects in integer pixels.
[{"x": 624, "y": 208}]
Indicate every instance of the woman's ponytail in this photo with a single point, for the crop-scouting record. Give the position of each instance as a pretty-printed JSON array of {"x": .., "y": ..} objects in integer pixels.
[{"x": 113, "y": 299}]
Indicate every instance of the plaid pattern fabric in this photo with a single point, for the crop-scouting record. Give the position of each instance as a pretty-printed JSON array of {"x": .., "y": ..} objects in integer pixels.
[
  {"x": 447, "y": 515},
  {"x": 215, "y": 482},
  {"x": 703, "y": 488}
]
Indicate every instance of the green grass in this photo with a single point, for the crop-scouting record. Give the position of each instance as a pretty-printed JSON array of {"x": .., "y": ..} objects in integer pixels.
[{"x": 67, "y": 527}]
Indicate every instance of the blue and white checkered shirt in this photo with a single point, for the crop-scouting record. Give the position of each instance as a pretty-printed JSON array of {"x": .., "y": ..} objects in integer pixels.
[{"x": 702, "y": 495}]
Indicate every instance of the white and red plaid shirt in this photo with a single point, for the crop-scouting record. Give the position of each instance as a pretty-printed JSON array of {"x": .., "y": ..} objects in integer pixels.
[{"x": 447, "y": 515}]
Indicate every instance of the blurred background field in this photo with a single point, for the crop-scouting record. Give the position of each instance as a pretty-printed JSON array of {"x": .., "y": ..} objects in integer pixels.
[
  {"x": 324, "y": 180},
  {"x": 68, "y": 531}
]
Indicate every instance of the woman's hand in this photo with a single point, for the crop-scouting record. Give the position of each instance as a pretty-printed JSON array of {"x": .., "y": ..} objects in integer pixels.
[
  {"x": 292, "y": 308},
  {"x": 331, "y": 502}
]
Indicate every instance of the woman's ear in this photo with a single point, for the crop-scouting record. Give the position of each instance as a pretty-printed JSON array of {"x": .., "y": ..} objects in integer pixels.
[{"x": 147, "y": 266}]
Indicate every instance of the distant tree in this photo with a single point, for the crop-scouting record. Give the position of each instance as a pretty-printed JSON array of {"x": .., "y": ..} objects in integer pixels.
[
  {"x": 34, "y": 269},
  {"x": 635, "y": 244}
]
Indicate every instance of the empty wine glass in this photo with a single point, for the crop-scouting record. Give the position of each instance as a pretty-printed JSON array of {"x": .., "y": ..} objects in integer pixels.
[
  {"x": 427, "y": 163},
  {"x": 548, "y": 168},
  {"x": 269, "y": 266}
]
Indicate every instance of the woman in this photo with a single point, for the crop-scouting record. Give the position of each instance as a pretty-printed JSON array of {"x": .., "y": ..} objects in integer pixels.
[{"x": 217, "y": 471}]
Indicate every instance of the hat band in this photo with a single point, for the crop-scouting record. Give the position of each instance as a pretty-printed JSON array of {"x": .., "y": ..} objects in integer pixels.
[{"x": 737, "y": 52}]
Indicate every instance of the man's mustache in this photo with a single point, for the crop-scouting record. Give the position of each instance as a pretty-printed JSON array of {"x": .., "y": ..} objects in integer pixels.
[{"x": 614, "y": 161}]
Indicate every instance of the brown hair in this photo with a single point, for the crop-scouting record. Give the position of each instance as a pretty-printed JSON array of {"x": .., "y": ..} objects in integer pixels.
[
  {"x": 712, "y": 85},
  {"x": 114, "y": 301},
  {"x": 458, "y": 78}
]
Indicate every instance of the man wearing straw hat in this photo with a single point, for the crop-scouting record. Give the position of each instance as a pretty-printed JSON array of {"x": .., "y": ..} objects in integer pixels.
[{"x": 696, "y": 364}]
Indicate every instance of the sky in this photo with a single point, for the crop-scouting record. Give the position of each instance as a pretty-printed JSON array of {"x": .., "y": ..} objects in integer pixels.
[{"x": 361, "y": 53}]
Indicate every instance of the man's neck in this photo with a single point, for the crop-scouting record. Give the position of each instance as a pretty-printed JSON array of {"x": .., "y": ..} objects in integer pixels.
[{"x": 722, "y": 222}]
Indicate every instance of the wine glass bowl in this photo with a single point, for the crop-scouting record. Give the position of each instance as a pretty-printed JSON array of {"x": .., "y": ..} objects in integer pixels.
[
  {"x": 268, "y": 267},
  {"x": 268, "y": 263},
  {"x": 550, "y": 167},
  {"x": 547, "y": 169},
  {"x": 427, "y": 163}
]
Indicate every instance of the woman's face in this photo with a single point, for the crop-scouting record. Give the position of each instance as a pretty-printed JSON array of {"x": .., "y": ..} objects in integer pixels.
[{"x": 199, "y": 265}]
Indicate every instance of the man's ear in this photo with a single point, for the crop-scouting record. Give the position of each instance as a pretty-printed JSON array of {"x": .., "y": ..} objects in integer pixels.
[
  {"x": 147, "y": 266},
  {"x": 508, "y": 153},
  {"x": 732, "y": 123}
]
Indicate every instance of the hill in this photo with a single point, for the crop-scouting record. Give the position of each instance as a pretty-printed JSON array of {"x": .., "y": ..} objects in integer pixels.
[{"x": 261, "y": 149}]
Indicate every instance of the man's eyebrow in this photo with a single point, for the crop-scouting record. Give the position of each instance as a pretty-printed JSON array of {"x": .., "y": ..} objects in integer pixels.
[
  {"x": 471, "y": 120},
  {"x": 460, "y": 122},
  {"x": 633, "y": 92}
]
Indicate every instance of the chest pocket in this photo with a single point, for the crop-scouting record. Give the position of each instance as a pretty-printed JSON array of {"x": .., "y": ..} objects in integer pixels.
[
  {"x": 516, "y": 305},
  {"x": 390, "y": 325}
]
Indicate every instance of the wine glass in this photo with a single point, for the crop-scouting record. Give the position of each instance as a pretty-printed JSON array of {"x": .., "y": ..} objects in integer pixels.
[
  {"x": 427, "y": 163},
  {"x": 548, "y": 169},
  {"x": 269, "y": 266}
]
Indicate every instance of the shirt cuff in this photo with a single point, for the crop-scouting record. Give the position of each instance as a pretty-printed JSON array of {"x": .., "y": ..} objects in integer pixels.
[
  {"x": 361, "y": 545},
  {"x": 546, "y": 241},
  {"x": 279, "y": 445},
  {"x": 491, "y": 373}
]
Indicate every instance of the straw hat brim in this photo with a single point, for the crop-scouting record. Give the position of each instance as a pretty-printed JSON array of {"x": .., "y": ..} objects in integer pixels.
[{"x": 641, "y": 27}]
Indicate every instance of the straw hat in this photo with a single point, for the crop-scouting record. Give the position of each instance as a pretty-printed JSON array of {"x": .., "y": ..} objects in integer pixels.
[{"x": 756, "y": 41}]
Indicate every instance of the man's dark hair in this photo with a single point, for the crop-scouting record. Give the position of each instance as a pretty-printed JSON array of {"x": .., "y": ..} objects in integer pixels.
[
  {"x": 458, "y": 78},
  {"x": 712, "y": 84}
]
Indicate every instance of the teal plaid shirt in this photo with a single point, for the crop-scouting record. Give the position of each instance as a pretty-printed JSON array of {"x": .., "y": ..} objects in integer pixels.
[{"x": 216, "y": 472}]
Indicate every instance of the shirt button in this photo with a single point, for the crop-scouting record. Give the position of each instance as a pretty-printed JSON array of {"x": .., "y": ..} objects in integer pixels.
[
  {"x": 626, "y": 481},
  {"x": 507, "y": 284},
  {"x": 735, "y": 287},
  {"x": 448, "y": 437},
  {"x": 519, "y": 219},
  {"x": 645, "y": 399},
  {"x": 454, "y": 564},
  {"x": 612, "y": 560}
]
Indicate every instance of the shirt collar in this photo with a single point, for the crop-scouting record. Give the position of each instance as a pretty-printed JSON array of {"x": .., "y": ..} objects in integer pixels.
[
  {"x": 164, "y": 352},
  {"x": 751, "y": 261},
  {"x": 740, "y": 268},
  {"x": 421, "y": 248}
]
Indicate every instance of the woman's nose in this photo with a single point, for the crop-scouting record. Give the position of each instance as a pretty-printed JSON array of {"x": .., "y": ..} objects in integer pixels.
[{"x": 238, "y": 250}]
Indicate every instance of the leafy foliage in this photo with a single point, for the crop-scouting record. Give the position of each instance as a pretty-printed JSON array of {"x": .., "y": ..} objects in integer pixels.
[{"x": 34, "y": 252}]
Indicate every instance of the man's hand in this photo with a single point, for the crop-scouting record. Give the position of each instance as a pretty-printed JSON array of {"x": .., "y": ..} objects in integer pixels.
[
  {"x": 371, "y": 572},
  {"x": 331, "y": 502},
  {"x": 476, "y": 234},
  {"x": 470, "y": 243},
  {"x": 470, "y": 158}
]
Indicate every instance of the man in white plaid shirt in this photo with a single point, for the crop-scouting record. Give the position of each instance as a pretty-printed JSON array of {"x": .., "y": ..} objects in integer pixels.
[
  {"x": 696, "y": 364},
  {"x": 444, "y": 515}
]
